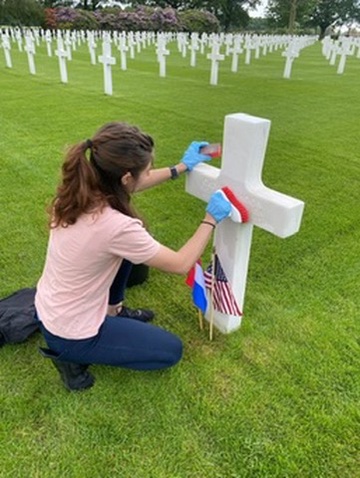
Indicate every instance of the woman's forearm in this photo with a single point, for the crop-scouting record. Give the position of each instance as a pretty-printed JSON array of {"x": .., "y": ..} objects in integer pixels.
[
  {"x": 181, "y": 261},
  {"x": 158, "y": 176}
]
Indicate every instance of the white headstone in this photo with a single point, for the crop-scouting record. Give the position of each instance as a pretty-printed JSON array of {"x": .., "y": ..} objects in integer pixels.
[
  {"x": 73, "y": 40},
  {"x": 138, "y": 42},
  {"x": 236, "y": 50},
  {"x": 7, "y": 47},
  {"x": 19, "y": 39},
  {"x": 215, "y": 57},
  {"x": 162, "y": 52},
  {"x": 326, "y": 47},
  {"x": 68, "y": 44},
  {"x": 248, "y": 48},
  {"x": 48, "y": 39},
  {"x": 131, "y": 45},
  {"x": 244, "y": 147},
  {"x": 123, "y": 49},
  {"x": 37, "y": 36},
  {"x": 256, "y": 45},
  {"x": 92, "y": 48},
  {"x": 345, "y": 50},
  {"x": 63, "y": 55},
  {"x": 228, "y": 43},
  {"x": 30, "y": 50},
  {"x": 335, "y": 49},
  {"x": 194, "y": 47},
  {"x": 290, "y": 54},
  {"x": 107, "y": 60}
]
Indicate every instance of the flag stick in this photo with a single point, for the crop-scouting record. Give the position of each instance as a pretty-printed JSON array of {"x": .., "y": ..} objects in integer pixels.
[
  {"x": 211, "y": 330},
  {"x": 201, "y": 323}
]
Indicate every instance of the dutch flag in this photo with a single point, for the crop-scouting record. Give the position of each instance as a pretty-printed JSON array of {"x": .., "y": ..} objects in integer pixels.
[{"x": 195, "y": 279}]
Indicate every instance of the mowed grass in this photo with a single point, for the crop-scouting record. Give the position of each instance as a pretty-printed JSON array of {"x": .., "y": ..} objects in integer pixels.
[{"x": 277, "y": 398}]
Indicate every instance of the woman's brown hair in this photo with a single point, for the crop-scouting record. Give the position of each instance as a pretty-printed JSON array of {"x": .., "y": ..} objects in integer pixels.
[{"x": 87, "y": 185}]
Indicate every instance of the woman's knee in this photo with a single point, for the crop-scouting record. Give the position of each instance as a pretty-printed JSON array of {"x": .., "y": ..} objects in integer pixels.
[{"x": 176, "y": 351}]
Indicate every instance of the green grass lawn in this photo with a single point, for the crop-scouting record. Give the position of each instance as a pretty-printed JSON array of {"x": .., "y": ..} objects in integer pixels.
[{"x": 277, "y": 398}]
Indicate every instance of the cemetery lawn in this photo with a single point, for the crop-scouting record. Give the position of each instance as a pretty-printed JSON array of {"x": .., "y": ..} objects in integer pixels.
[{"x": 277, "y": 398}]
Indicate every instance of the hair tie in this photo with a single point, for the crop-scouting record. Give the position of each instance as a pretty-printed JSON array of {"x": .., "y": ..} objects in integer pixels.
[{"x": 88, "y": 143}]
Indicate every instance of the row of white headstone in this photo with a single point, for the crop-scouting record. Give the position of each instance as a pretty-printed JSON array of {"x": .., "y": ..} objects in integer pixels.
[
  {"x": 342, "y": 47},
  {"x": 292, "y": 51},
  {"x": 233, "y": 44}
]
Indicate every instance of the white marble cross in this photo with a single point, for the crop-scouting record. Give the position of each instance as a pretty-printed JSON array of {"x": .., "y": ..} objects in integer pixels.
[
  {"x": 244, "y": 146},
  {"x": 7, "y": 47},
  {"x": 92, "y": 47},
  {"x": 162, "y": 52},
  {"x": 236, "y": 50},
  {"x": 131, "y": 45},
  {"x": 107, "y": 60},
  {"x": 248, "y": 48},
  {"x": 48, "y": 39},
  {"x": 18, "y": 37},
  {"x": 215, "y": 57},
  {"x": 345, "y": 50},
  {"x": 335, "y": 49},
  {"x": 63, "y": 55},
  {"x": 68, "y": 44},
  {"x": 138, "y": 42},
  {"x": 194, "y": 47},
  {"x": 73, "y": 38},
  {"x": 123, "y": 49},
  {"x": 256, "y": 45},
  {"x": 326, "y": 47},
  {"x": 37, "y": 36},
  {"x": 30, "y": 50},
  {"x": 229, "y": 39},
  {"x": 291, "y": 52}
]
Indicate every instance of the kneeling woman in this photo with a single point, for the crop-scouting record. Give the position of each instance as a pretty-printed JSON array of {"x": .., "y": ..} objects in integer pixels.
[{"x": 95, "y": 236}]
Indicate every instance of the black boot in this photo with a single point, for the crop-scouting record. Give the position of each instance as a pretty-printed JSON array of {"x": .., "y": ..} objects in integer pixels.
[{"x": 74, "y": 375}]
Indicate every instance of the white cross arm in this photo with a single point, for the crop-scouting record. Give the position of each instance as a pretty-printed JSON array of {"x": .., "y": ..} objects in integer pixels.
[
  {"x": 244, "y": 145},
  {"x": 107, "y": 60}
]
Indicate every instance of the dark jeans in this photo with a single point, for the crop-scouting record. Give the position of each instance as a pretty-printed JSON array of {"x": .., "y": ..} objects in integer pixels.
[
  {"x": 120, "y": 341},
  {"x": 117, "y": 289}
]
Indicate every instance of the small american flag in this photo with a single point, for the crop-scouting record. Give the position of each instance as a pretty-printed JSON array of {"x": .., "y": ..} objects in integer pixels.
[{"x": 224, "y": 300}]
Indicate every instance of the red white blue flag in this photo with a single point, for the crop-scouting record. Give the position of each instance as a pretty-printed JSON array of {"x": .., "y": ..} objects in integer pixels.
[
  {"x": 195, "y": 279},
  {"x": 223, "y": 297}
]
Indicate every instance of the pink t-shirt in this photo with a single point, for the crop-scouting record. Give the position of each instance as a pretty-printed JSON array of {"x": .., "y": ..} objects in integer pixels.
[{"x": 81, "y": 263}]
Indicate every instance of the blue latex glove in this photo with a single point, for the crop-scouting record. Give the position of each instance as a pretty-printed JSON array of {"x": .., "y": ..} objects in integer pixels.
[
  {"x": 192, "y": 156},
  {"x": 219, "y": 206}
]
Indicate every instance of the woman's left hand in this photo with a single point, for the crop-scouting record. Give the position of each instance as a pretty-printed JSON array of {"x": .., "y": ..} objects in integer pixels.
[{"x": 192, "y": 155}]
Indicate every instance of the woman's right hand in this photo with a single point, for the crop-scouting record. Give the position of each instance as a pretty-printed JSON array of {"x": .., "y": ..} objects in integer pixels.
[
  {"x": 192, "y": 156},
  {"x": 219, "y": 207}
]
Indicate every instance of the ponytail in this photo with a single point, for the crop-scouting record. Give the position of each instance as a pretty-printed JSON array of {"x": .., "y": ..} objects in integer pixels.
[
  {"x": 78, "y": 192},
  {"x": 88, "y": 185}
]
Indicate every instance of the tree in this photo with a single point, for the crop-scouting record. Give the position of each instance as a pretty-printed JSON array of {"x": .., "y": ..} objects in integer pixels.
[
  {"x": 289, "y": 13},
  {"x": 331, "y": 12},
  {"x": 21, "y": 12},
  {"x": 231, "y": 13},
  {"x": 317, "y": 13}
]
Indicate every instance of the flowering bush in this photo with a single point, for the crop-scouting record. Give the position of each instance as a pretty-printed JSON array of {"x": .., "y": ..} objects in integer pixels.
[
  {"x": 50, "y": 18},
  {"x": 71, "y": 18},
  {"x": 141, "y": 19},
  {"x": 166, "y": 20},
  {"x": 199, "y": 21}
]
